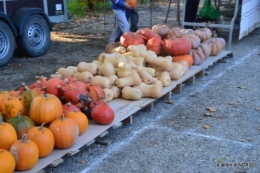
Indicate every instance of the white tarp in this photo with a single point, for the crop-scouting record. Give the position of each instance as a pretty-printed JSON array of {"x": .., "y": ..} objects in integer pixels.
[{"x": 250, "y": 17}]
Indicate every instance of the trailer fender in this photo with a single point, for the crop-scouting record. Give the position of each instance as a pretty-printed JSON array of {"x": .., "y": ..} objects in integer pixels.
[
  {"x": 8, "y": 21},
  {"x": 21, "y": 16}
]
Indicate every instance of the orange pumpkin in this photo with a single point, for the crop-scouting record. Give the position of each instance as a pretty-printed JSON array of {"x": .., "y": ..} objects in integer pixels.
[
  {"x": 7, "y": 135},
  {"x": 185, "y": 57},
  {"x": 7, "y": 161},
  {"x": 131, "y": 38},
  {"x": 68, "y": 107},
  {"x": 147, "y": 33},
  {"x": 45, "y": 108},
  {"x": 43, "y": 138},
  {"x": 132, "y": 3},
  {"x": 3, "y": 96},
  {"x": 176, "y": 46},
  {"x": 65, "y": 131},
  {"x": 154, "y": 44},
  {"x": 26, "y": 154},
  {"x": 96, "y": 92},
  {"x": 11, "y": 107},
  {"x": 80, "y": 118},
  {"x": 14, "y": 93}
]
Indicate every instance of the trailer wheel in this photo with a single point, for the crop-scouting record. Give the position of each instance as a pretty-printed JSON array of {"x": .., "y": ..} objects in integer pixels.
[
  {"x": 35, "y": 38},
  {"x": 7, "y": 43}
]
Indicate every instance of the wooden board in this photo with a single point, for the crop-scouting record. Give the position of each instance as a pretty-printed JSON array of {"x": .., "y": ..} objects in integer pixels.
[{"x": 123, "y": 109}]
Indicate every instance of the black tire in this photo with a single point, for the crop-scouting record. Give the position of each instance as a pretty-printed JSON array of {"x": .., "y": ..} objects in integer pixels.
[
  {"x": 7, "y": 43},
  {"x": 35, "y": 38}
]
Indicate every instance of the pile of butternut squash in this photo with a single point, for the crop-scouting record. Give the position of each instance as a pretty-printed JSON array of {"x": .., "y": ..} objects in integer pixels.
[{"x": 131, "y": 72}]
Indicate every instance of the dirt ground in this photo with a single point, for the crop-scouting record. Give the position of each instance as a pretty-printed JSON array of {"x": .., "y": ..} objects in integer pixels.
[{"x": 80, "y": 40}]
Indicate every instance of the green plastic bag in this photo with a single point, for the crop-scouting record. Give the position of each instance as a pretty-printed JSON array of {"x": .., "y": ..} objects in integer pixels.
[{"x": 209, "y": 11}]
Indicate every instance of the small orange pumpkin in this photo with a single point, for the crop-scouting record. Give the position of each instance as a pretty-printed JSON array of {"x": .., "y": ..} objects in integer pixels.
[
  {"x": 7, "y": 161},
  {"x": 43, "y": 138},
  {"x": 132, "y": 3},
  {"x": 3, "y": 96},
  {"x": 11, "y": 107},
  {"x": 185, "y": 57},
  {"x": 7, "y": 135},
  {"x": 45, "y": 108},
  {"x": 80, "y": 118},
  {"x": 26, "y": 154},
  {"x": 65, "y": 131}
]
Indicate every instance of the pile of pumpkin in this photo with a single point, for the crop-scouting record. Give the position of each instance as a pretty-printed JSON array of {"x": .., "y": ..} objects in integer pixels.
[{"x": 45, "y": 115}]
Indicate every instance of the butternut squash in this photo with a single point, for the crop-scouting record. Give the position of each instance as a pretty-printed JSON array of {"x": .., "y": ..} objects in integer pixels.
[
  {"x": 166, "y": 57},
  {"x": 90, "y": 67},
  {"x": 130, "y": 93},
  {"x": 137, "y": 60},
  {"x": 74, "y": 68},
  {"x": 162, "y": 73},
  {"x": 97, "y": 62},
  {"x": 116, "y": 91},
  {"x": 113, "y": 79},
  {"x": 109, "y": 95},
  {"x": 131, "y": 80},
  {"x": 124, "y": 69},
  {"x": 137, "y": 47},
  {"x": 102, "y": 81},
  {"x": 103, "y": 56},
  {"x": 65, "y": 72},
  {"x": 131, "y": 53},
  {"x": 106, "y": 69},
  {"x": 162, "y": 63},
  {"x": 153, "y": 91},
  {"x": 150, "y": 70},
  {"x": 120, "y": 49},
  {"x": 150, "y": 54},
  {"x": 177, "y": 71},
  {"x": 116, "y": 60},
  {"x": 85, "y": 76},
  {"x": 131, "y": 63},
  {"x": 145, "y": 76},
  {"x": 185, "y": 65},
  {"x": 165, "y": 79}
]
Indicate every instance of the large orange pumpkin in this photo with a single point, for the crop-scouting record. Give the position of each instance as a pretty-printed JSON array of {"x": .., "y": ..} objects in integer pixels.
[
  {"x": 7, "y": 135},
  {"x": 80, "y": 118},
  {"x": 45, "y": 108},
  {"x": 147, "y": 33},
  {"x": 132, "y": 3},
  {"x": 65, "y": 131},
  {"x": 131, "y": 38},
  {"x": 7, "y": 161},
  {"x": 185, "y": 57},
  {"x": 177, "y": 46},
  {"x": 11, "y": 107},
  {"x": 154, "y": 44},
  {"x": 43, "y": 138},
  {"x": 26, "y": 154}
]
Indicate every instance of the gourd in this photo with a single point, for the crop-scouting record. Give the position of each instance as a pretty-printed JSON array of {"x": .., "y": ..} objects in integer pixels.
[
  {"x": 145, "y": 76},
  {"x": 154, "y": 44},
  {"x": 73, "y": 68},
  {"x": 65, "y": 132},
  {"x": 120, "y": 49},
  {"x": 107, "y": 69},
  {"x": 7, "y": 136},
  {"x": 109, "y": 95},
  {"x": 216, "y": 45},
  {"x": 45, "y": 108},
  {"x": 177, "y": 71},
  {"x": 11, "y": 107},
  {"x": 85, "y": 76},
  {"x": 90, "y": 67},
  {"x": 131, "y": 38},
  {"x": 161, "y": 30},
  {"x": 185, "y": 57},
  {"x": 150, "y": 70},
  {"x": 80, "y": 118},
  {"x": 114, "y": 58},
  {"x": 7, "y": 161},
  {"x": 187, "y": 31},
  {"x": 65, "y": 72},
  {"x": 185, "y": 65},
  {"x": 130, "y": 93},
  {"x": 43, "y": 138},
  {"x": 147, "y": 33},
  {"x": 166, "y": 57},
  {"x": 165, "y": 79},
  {"x": 27, "y": 98},
  {"x": 133, "y": 65},
  {"x": 194, "y": 40},
  {"x": 200, "y": 54},
  {"x": 21, "y": 124},
  {"x": 203, "y": 33},
  {"x": 97, "y": 93},
  {"x": 131, "y": 80},
  {"x": 138, "y": 47},
  {"x": 25, "y": 152},
  {"x": 124, "y": 69},
  {"x": 137, "y": 60},
  {"x": 102, "y": 81},
  {"x": 110, "y": 46},
  {"x": 97, "y": 62},
  {"x": 152, "y": 91},
  {"x": 103, "y": 114},
  {"x": 176, "y": 46},
  {"x": 116, "y": 91},
  {"x": 51, "y": 87},
  {"x": 113, "y": 79},
  {"x": 175, "y": 32},
  {"x": 161, "y": 63}
]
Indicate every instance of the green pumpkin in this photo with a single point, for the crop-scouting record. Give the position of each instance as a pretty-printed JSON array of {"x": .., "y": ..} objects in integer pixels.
[
  {"x": 27, "y": 98},
  {"x": 21, "y": 124},
  {"x": 2, "y": 117}
]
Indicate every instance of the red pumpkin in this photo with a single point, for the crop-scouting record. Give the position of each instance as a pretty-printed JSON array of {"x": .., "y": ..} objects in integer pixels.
[
  {"x": 147, "y": 33},
  {"x": 97, "y": 93},
  {"x": 103, "y": 114},
  {"x": 154, "y": 44},
  {"x": 131, "y": 38},
  {"x": 68, "y": 107},
  {"x": 51, "y": 86},
  {"x": 177, "y": 46}
]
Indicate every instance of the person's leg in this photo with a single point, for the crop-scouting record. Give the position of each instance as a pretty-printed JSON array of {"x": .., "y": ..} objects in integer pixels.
[
  {"x": 191, "y": 9},
  {"x": 127, "y": 14},
  {"x": 134, "y": 18},
  {"x": 121, "y": 25}
]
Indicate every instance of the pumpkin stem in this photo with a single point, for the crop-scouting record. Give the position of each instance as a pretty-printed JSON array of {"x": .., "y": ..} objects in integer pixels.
[
  {"x": 62, "y": 117},
  {"x": 19, "y": 114},
  {"x": 41, "y": 127},
  {"x": 24, "y": 138},
  {"x": 1, "y": 122},
  {"x": 45, "y": 94},
  {"x": 74, "y": 109}
]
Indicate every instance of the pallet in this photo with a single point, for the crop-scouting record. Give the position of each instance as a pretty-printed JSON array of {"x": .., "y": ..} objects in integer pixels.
[{"x": 124, "y": 109}]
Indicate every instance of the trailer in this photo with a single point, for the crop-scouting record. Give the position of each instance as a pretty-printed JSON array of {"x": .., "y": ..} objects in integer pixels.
[{"x": 25, "y": 26}]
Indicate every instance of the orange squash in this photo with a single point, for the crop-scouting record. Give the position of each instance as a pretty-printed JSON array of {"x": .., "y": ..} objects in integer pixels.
[
  {"x": 185, "y": 57},
  {"x": 80, "y": 118},
  {"x": 11, "y": 107},
  {"x": 7, "y": 161},
  {"x": 65, "y": 131},
  {"x": 26, "y": 153},
  {"x": 45, "y": 108},
  {"x": 3, "y": 96},
  {"x": 7, "y": 135},
  {"x": 132, "y": 3},
  {"x": 43, "y": 138}
]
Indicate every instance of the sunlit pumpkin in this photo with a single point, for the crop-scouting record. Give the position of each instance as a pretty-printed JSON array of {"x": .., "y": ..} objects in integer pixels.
[
  {"x": 131, "y": 38},
  {"x": 132, "y": 3},
  {"x": 177, "y": 46},
  {"x": 7, "y": 162},
  {"x": 11, "y": 107},
  {"x": 185, "y": 57},
  {"x": 7, "y": 135}
]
